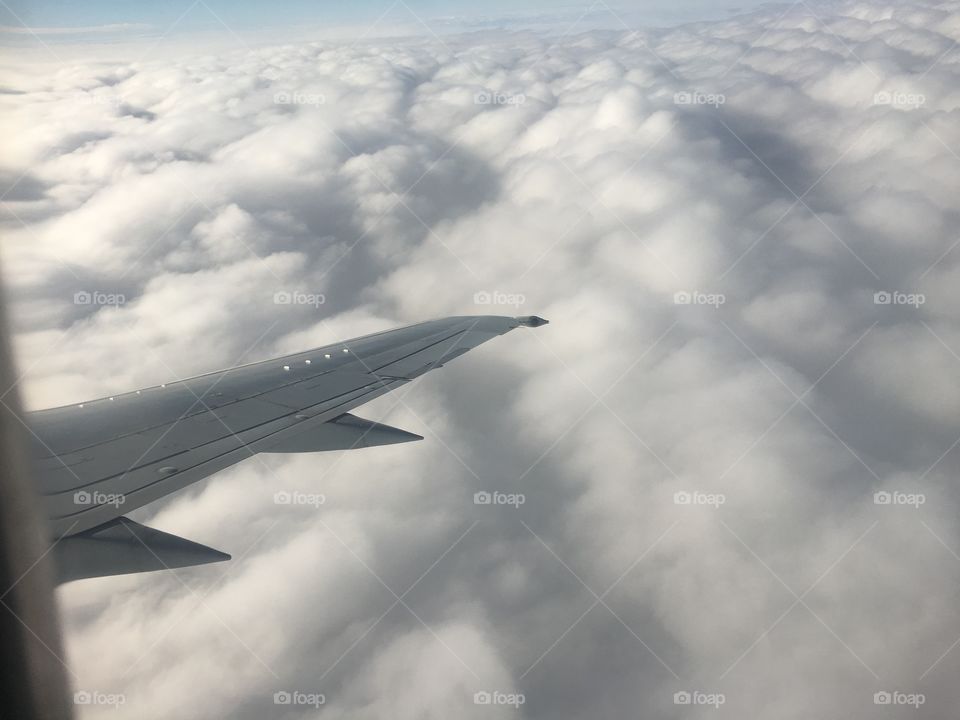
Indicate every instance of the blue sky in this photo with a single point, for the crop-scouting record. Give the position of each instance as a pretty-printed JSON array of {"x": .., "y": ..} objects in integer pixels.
[{"x": 250, "y": 14}]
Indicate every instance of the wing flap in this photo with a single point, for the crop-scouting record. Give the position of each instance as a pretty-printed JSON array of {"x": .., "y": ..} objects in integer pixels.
[
  {"x": 343, "y": 433},
  {"x": 122, "y": 546}
]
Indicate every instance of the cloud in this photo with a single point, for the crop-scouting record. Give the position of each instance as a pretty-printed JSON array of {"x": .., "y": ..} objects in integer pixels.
[{"x": 744, "y": 232}]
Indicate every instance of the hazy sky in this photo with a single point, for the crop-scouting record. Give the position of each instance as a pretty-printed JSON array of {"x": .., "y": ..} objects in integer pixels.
[
  {"x": 737, "y": 442},
  {"x": 248, "y": 14}
]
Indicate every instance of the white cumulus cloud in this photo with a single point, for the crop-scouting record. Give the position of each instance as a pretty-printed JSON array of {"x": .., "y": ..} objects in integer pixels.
[{"x": 745, "y": 235}]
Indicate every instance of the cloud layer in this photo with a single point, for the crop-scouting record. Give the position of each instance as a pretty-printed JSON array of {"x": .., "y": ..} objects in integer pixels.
[{"x": 744, "y": 233}]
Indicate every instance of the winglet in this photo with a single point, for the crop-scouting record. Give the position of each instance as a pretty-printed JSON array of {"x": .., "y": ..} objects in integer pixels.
[{"x": 531, "y": 321}]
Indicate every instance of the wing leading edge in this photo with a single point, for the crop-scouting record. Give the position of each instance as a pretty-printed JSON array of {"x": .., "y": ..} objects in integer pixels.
[{"x": 97, "y": 460}]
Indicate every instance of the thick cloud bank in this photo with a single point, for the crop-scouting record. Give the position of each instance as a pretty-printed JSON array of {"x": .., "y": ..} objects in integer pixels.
[{"x": 736, "y": 443}]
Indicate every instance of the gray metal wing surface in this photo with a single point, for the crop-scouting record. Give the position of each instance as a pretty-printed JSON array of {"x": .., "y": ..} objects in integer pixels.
[{"x": 97, "y": 460}]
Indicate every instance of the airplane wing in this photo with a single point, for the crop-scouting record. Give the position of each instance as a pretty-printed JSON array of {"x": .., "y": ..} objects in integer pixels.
[{"x": 97, "y": 460}]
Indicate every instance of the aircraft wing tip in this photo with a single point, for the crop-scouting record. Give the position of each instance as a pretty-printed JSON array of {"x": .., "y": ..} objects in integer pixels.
[{"x": 532, "y": 321}]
